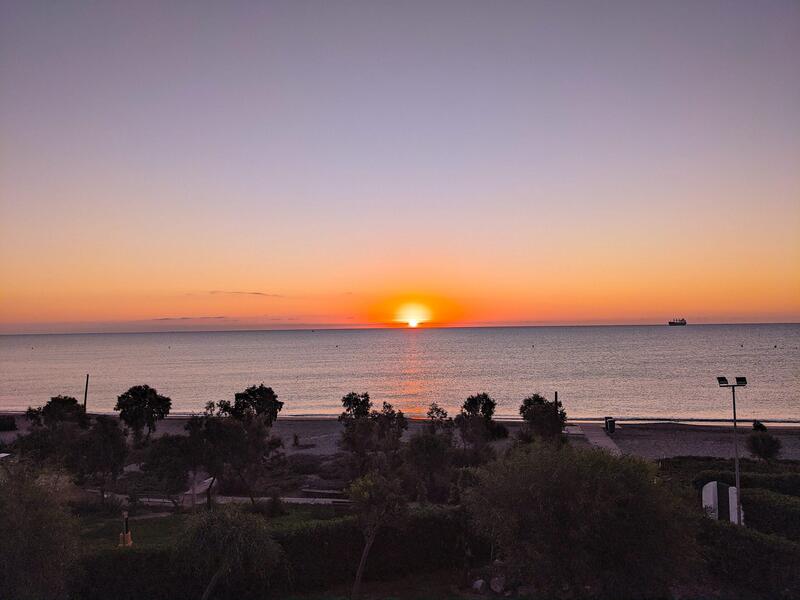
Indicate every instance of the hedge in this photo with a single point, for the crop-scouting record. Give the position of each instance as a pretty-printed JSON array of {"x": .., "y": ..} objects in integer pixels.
[
  {"x": 784, "y": 483},
  {"x": 767, "y": 565},
  {"x": 319, "y": 555},
  {"x": 8, "y": 423},
  {"x": 770, "y": 512}
]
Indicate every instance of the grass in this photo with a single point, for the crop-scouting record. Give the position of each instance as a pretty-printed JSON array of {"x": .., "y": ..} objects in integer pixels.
[{"x": 97, "y": 531}]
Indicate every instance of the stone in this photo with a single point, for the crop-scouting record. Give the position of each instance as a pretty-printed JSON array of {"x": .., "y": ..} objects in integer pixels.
[
  {"x": 478, "y": 585},
  {"x": 498, "y": 584}
]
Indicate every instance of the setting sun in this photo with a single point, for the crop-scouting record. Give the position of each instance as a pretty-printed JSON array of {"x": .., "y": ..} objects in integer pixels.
[{"x": 413, "y": 314}]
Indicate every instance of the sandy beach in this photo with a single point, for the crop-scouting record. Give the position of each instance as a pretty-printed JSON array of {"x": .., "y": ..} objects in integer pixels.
[{"x": 319, "y": 435}]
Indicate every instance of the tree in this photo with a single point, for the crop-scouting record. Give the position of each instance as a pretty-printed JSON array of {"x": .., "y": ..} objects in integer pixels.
[
  {"x": 38, "y": 540},
  {"x": 167, "y": 465},
  {"x": 225, "y": 543},
  {"x": 476, "y": 426},
  {"x": 764, "y": 445},
  {"x": 371, "y": 437},
  {"x": 141, "y": 406},
  {"x": 99, "y": 455},
  {"x": 59, "y": 409},
  {"x": 438, "y": 421},
  {"x": 576, "y": 523},
  {"x": 254, "y": 401},
  {"x": 428, "y": 457},
  {"x": 544, "y": 419},
  {"x": 241, "y": 447},
  {"x": 376, "y": 501}
]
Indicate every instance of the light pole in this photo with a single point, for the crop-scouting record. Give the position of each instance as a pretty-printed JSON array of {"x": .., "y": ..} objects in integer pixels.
[{"x": 740, "y": 382}]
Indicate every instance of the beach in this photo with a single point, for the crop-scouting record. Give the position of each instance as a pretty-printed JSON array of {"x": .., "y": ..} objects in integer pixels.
[{"x": 320, "y": 435}]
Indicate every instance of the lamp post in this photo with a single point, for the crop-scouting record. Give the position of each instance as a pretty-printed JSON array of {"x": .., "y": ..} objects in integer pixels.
[{"x": 740, "y": 382}]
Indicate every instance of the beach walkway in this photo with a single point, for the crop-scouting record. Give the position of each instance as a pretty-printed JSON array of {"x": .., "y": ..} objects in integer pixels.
[{"x": 596, "y": 436}]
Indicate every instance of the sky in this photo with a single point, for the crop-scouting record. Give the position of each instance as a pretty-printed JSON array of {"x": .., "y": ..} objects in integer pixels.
[{"x": 205, "y": 165}]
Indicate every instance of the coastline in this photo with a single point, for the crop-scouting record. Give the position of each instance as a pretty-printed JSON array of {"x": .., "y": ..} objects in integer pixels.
[{"x": 652, "y": 440}]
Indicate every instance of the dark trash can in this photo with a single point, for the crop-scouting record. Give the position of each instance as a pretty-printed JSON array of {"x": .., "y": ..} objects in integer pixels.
[{"x": 610, "y": 425}]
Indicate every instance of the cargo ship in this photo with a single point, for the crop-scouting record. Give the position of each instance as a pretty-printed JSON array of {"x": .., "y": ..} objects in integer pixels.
[{"x": 677, "y": 322}]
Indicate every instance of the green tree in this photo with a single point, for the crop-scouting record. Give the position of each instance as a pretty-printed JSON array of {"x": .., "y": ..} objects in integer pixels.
[
  {"x": 376, "y": 500},
  {"x": 243, "y": 448},
  {"x": 142, "y": 406},
  {"x": 167, "y": 465},
  {"x": 544, "y": 419},
  {"x": 577, "y": 523},
  {"x": 99, "y": 454},
  {"x": 255, "y": 401},
  {"x": 225, "y": 544},
  {"x": 38, "y": 540},
  {"x": 59, "y": 409}
]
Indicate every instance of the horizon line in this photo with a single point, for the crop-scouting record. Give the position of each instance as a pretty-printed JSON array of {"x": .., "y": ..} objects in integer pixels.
[{"x": 385, "y": 327}]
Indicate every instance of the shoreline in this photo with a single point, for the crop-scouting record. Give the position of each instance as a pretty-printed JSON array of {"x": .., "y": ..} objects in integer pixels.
[{"x": 650, "y": 440}]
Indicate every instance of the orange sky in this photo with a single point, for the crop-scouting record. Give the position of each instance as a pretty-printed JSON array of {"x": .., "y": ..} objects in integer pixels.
[{"x": 279, "y": 167}]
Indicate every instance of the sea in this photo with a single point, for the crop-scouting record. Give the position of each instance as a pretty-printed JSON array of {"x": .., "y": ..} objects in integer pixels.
[{"x": 623, "y": 371}]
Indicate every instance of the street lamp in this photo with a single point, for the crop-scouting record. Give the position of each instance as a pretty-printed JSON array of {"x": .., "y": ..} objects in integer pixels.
[{"x": 740, "y": 382}]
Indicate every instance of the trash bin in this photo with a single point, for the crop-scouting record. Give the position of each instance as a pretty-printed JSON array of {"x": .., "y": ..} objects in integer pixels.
[{"x": 610, "y": 425}]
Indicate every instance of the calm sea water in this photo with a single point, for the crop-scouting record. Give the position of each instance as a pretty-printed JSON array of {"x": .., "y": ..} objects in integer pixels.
[{"x": 622, "y": 371}]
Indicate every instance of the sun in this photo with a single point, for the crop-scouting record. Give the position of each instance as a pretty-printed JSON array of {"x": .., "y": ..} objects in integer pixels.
[{"x": 413, "y": 314}]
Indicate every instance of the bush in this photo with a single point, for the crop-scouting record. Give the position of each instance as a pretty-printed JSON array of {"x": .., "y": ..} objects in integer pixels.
[
  {"x": 767, "y": 565},
  {"x": 784, "y": 483},
  {"x": 544, "y": 418},
  {"x": 774, "y": 513},
  {"x": 581, "y": 522},
  {"x": 8, "y": 423},
  {"x": 318, "y": 555},
  {"x": 38, "y": 541},
  {"x": 764, "y": 445}
]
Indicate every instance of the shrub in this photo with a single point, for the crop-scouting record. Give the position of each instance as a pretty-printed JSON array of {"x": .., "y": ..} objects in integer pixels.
[
  {"x": 764, "y": 445},
  {"x": 228, "y": 549},
  {"x": 581, "y": 521},
  {"x": 38, "y": 541},
  {"x": 544, "y": 418},
  {"x": 784, "y": 483},
  {"x": 8, "y": 423},
  {"x": 767, "y": 565},
  {"x": 770, "y": 512}
]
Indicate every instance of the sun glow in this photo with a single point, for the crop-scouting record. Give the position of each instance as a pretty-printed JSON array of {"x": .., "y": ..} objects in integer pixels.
[{"x": 413, "y": 314}]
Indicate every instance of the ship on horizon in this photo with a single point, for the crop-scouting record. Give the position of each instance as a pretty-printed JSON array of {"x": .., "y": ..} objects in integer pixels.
[{"x": 677, "y": 322}]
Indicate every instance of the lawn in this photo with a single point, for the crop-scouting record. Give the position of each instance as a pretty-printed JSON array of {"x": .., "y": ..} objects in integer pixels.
[{"x": 102, "y": 531}]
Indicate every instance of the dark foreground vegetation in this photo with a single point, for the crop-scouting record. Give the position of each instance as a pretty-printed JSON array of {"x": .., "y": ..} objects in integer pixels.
[{"x": 531, "y": 517}]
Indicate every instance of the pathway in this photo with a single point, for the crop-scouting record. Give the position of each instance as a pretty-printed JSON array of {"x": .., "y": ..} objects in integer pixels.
[{"x": 597, "y": 437}]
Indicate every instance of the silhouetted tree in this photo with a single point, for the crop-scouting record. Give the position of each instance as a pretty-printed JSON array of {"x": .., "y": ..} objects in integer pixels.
[
  {"x": 371, "y": 437},
  {"x": 438, "y": 421},
  {"x": 544, "y": 419},
  {"x": 255, "y": 401},
  {"x": 141, "y": 406},
  {"x": 167, "y": 465},
  {"x": 764, "y": 445},
  {"x": 476, "y": 426},
  {"x": 59, "y": 409},
  {"x": 99, "y": 454},
  {"x": 243, "y": 447},
  {"x": 376, "y": 500}
]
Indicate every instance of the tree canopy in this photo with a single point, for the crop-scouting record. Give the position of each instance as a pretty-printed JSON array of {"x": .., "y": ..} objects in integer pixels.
[{"x": 142, "y": 406}]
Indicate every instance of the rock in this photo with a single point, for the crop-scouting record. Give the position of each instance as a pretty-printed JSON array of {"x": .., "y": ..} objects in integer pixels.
[
  {"x": 498, "y": 584},
  {"x": 524, "y": 591},
  {"x": 478, "y": 585}
]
